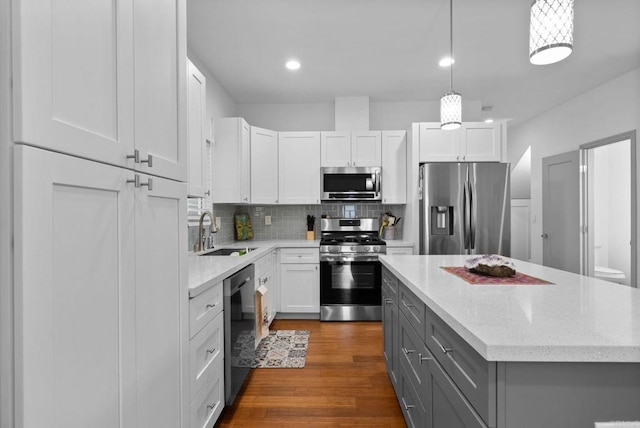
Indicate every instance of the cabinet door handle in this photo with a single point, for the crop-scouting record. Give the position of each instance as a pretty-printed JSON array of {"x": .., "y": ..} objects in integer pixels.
[
  {"x": 407, "y": 305},
  {"x": 135, "y": 181},
  {"x": 148, "y": 161},
  {"x": 149, "y": 184},
  {"x": 208, "y": 193},
  {"x": 211, "y": 306},
  {"x": 211, "y": 351},
  {"x": 388, "y": 300},
  {"x": 406, "y": 406},
  {"x": 210, "y": 407},
  {"x": 445, "y": 350},
  {"x": 408, "y": 351},
  {"x": 135, "y": 156},
  {"x": 421, "y": 358}
]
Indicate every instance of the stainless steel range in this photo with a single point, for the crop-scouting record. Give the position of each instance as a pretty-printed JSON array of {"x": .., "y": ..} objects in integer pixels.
[{"x": 350, "y": 273}]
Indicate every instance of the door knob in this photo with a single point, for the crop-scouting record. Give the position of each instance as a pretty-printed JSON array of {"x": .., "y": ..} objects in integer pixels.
[{"x": 545, "y": 235}]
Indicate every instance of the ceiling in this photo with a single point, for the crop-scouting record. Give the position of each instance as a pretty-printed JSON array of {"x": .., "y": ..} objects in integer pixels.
[{"x": 389, "y": 50}]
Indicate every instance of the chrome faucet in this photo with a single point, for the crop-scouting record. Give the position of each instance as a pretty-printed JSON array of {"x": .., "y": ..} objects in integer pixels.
[{"x": 212, "y": 229}]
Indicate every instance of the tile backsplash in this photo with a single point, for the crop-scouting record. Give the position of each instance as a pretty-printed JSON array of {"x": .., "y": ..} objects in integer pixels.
[{"x": 288, "y": 221}]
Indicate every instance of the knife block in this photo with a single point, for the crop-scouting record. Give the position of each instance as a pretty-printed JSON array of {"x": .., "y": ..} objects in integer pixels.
[{"x": 311, "y": 235}]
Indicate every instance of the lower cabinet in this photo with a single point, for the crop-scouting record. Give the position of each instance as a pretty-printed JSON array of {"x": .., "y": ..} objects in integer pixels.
[
  {"x": 299, "y": 280},
  {"x": 390, "y": 327}
]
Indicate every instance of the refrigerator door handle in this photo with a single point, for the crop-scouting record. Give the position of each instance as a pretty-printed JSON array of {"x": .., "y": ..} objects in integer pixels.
[
  {"x": 466, "y": 215},
  {"x": 473, "y": 217}
]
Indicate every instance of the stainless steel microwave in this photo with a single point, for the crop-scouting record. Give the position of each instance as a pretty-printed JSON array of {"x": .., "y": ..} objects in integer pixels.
[{"x": 351, "y": 184}]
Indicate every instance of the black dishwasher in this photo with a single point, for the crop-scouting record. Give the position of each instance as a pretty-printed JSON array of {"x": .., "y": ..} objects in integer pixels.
[{"x": 239, "y": 330}]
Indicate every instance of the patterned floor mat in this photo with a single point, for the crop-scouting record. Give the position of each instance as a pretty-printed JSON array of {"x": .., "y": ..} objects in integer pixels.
[{"x": 283, "y": 349}]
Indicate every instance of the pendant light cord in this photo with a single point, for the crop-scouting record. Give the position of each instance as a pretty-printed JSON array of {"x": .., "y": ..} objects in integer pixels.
[{"x": 451, "y": 44}]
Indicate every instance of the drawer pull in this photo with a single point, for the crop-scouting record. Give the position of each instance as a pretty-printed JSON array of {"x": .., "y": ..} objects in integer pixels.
[
  {"x": 445, "y": 350},
  {"x": 421, "y": 358},
  {"x": 211, "y": 306},
  {"x": 406, "y": 406},
  {"x": 388, "y": 300},
  {"x": 211, "y": 407},
  {"x": 211, "y": 351},
  {"x": 408, "y": 351},
  {"x": 407, "y": 305}
]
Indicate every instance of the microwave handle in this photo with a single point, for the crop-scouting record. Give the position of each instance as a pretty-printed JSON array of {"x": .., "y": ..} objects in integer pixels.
[{"x": 377, "y": 183}]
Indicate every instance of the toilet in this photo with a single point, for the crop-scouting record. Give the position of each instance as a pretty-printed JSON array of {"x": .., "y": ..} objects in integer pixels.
[{"x": 609, "y": 274}]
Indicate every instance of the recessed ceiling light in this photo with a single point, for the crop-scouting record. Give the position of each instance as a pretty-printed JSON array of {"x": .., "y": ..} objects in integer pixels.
[
  {"x": 488, "y": 120},
  {"x": 446, "y": 61},
  {"x": 292, "y": 64}
]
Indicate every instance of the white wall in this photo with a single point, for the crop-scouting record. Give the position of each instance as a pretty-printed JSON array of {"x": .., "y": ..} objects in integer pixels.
[{"x": 607, "y": 110}]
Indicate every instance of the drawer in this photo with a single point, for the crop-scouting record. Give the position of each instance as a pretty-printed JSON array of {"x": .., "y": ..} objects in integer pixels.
[
  {"x": 415, "y": 357},
  {"x": 205, "y": 350},
  {"x": 415, "y": 414},
  {"x": 207, "y": 405},
  {"x": 299, "y": 255},
  {"x": 204, "y": 307},
  {"x": 413, "y": 308},
  {"x": 390, "y": 282},
  {"x": 262, "y": 265},
  {"x": 471, "y": 373}
]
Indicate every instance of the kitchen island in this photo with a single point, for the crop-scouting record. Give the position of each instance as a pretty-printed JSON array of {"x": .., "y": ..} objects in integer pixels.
[{"x": 565, "y": 354}]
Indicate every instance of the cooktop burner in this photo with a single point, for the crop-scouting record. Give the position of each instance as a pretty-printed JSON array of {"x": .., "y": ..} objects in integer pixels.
[{"x": 349, "y": 239}]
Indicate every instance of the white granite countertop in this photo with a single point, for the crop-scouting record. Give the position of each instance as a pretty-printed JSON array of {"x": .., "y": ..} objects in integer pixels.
[
  {"x": 577, "y": 319},
  {"x": 206, "y": 271}
]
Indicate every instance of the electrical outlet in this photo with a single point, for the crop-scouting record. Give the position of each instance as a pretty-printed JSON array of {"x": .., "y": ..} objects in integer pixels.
[
  {"x": 218, "y": 223},
  {"x": 267, "y": 220}
]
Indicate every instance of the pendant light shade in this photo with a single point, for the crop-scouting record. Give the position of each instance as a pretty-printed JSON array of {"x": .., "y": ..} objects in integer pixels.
[
  {"x": 451, "y": 102},
  {"x": 550, "y": 31},
  {"x": 451, "y": 111}
]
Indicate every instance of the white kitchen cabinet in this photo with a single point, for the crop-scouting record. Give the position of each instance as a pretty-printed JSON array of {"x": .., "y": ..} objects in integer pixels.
[
  {"x": 103, "y": 80},
  {"x": 100, "y": 294},
  {"x": 394, "y": 167},
  {"x": 472, "y": 142},
  {"x": 299, "y": 280},
  {"x": 299, "y": 168},
  {"x": 264, "y": 166},
  {"x": 231, "y": 161},
  {"x": 339, "y": 149},
  {"x": 198, "y": 183}
]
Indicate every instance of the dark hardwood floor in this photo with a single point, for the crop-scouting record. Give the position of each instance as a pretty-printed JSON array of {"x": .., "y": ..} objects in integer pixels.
[{"x": 344, "y": 383}]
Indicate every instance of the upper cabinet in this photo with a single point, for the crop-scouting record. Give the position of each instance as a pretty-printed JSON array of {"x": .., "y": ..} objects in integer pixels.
[
  {"x": 231, "y": 161},
  {"x": 394, "y": 167},
  {"x": 472, "y": 142},
  {"x": 299, "y": 168},
  {"x": 198, "y": 183},
  {"x": 351, "y": 149},
  {"x": 264, "y": 166},
  {"x": 103, "y": 82}
]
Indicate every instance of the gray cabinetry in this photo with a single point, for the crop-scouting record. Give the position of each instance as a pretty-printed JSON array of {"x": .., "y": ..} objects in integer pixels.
[{"x": 390, "y": 326}]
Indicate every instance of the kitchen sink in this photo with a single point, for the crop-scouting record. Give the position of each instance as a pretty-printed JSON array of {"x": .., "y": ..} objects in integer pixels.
[{"x": 228, "y": 251}]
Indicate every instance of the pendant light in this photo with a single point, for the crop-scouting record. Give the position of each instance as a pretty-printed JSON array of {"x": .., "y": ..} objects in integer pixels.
[
  {"x": 550, "y": 31},
  {"x": 451, "y": 102}
]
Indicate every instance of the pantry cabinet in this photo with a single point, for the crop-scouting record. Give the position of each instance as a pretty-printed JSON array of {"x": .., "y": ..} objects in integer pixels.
[
  {"x": 264, "y": 166},
  {"x": 299, "y": 168},
  {"x": 103, "y": 81},
  {"x": 100, "y": 294},
  {"x": 231, "y": 161},
  {"x": 472, "y": 142},
  {"x": 394, "y": 167},
  {"x": 339, "y": 149},
  {"x": 199, "y": 162}
]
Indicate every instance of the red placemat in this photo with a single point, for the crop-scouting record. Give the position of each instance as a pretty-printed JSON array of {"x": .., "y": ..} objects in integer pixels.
[{"x": 474, "y": 278}]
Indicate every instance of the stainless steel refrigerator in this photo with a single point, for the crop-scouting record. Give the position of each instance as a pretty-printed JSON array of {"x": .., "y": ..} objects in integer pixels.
[{"x": 465, "y": 208}]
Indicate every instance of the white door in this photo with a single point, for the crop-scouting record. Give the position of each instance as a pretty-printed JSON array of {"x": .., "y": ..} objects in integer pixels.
[
  {"x": 73, "y": 82},
  {"x": 437, "y": 145},
  {"x": 300, "y": 288},
  {"x": 196, "y": 115},
  {"x": 366, "y": 148},
  {"x": 521, "y": 229},
  {"x": 264, "y": 166},
  {"x": 74, "y": 292},
  {"x": 394, "y": 167},
  {"x": 160, "y": 86},
  {"x": 299, "y": 168},
  {"x": 335, "y": 149},
  {"x": 161, "y": 303},
  {"x": 561, "y": 211}
]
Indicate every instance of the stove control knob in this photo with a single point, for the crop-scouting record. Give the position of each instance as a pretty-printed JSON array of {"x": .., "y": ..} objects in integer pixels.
[{"x": 376, "y": 249}]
